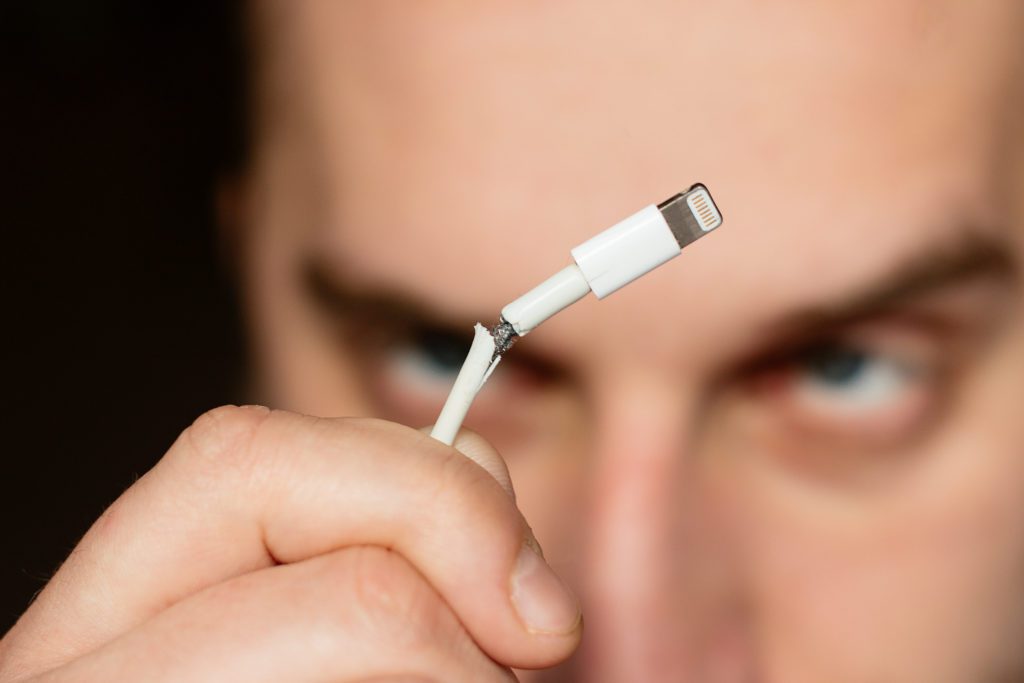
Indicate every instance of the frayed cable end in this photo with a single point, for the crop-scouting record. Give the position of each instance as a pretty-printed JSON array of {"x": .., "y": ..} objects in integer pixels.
[{"x": 504, "y": 337}]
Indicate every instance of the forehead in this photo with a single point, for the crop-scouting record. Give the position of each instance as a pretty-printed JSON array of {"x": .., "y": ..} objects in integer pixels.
[{"x": 465, "y": 148}]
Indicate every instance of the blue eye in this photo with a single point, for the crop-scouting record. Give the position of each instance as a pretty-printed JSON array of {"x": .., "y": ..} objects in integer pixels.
[
  {"x": 837, "y": 365},
  {"x": 430, "y": 358},
  {"x": 443, "y": 352},
  {"x": 851, "y": 379}
]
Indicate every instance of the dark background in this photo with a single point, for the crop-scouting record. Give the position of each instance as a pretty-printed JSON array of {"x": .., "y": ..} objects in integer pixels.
[{"x": 120, "y": 324}]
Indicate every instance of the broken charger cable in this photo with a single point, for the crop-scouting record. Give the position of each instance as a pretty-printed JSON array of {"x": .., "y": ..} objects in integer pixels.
[{"x": 602, "y": 265}]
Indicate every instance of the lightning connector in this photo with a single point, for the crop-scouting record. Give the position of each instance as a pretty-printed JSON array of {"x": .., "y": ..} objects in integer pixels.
[{"x": 603, "y": 264}]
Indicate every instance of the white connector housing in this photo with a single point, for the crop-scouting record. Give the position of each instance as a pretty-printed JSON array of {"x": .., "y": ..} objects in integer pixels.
[
  {"x": 625, "y": 251},
  {"x": 622, "y": 253}
]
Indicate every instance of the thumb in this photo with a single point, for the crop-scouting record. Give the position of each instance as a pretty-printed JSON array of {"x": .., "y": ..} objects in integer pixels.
[{"x": 477, "y": 449}]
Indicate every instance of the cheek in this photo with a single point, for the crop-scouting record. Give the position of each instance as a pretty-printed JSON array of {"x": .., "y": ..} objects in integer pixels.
[
  {"x": 917, "y": 579},
  {"x": 921, "y": 595}
]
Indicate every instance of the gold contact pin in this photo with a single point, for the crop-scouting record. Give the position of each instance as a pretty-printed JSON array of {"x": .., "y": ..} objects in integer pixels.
[{"x": 691, "y": 214}]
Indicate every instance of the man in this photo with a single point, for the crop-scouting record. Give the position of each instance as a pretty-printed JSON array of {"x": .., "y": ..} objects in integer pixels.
[{"x": 793, "y": 455}]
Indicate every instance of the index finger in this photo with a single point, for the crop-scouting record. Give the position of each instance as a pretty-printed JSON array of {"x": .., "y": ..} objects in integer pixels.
[{"x": 244, "y": 488}]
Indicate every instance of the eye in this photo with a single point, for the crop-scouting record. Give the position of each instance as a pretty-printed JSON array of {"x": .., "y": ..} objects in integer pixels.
[
  {"x": 851, "y": 390},
  {"x": 408, "y": 375},
  {"x": 428, "y": 360},
  {"x": 852, "y": 380}
]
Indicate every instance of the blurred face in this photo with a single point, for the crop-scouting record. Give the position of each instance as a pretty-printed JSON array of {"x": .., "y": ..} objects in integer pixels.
[{"x": 796, "y": 453}]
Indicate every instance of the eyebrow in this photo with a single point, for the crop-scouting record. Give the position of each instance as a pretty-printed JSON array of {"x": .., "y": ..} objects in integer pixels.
[
  {"x": 377, "y": 302},
  {"x": 966, "y": 258},
  {"x": 957, "y": 260}
]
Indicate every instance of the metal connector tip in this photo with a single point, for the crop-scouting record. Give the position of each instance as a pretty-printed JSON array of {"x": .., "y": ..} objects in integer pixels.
[{"x": 691, "y": 214}]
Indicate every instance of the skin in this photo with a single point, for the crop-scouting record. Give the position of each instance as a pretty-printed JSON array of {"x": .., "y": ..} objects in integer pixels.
[{"x": 723, "y": 508}]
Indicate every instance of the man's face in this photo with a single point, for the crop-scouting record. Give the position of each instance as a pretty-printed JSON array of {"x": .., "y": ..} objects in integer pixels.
[{"x": 796, "y": 453}]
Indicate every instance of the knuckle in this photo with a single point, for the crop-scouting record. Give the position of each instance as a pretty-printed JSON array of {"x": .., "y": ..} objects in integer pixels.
[
  {"x": 461, "y": 480},
  {"x": 467, "y": 494},
  {"x": 223, "y": 436},
  {"x": 390, "y": 600},
  {"x": 110, "y": 521},
  {"x": 480, "y": 451}
]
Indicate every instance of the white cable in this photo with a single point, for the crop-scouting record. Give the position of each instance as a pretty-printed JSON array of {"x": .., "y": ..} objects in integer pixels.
[
  {"x": 478, "y": 366},
  {"x": 603, "y": 264}
]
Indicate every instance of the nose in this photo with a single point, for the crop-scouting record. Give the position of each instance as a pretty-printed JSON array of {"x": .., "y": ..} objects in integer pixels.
[{"x": 660, "y": 591}]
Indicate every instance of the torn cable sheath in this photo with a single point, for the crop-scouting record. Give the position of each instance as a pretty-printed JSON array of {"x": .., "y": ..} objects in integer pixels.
[{"x": 480, "y": 363}]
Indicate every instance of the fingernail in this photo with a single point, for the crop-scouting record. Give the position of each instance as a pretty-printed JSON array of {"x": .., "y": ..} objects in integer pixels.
[{"x": 544, "y": 603}]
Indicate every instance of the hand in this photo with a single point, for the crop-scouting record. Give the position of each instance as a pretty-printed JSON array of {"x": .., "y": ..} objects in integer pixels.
[{"x": 269, "y": 546}]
